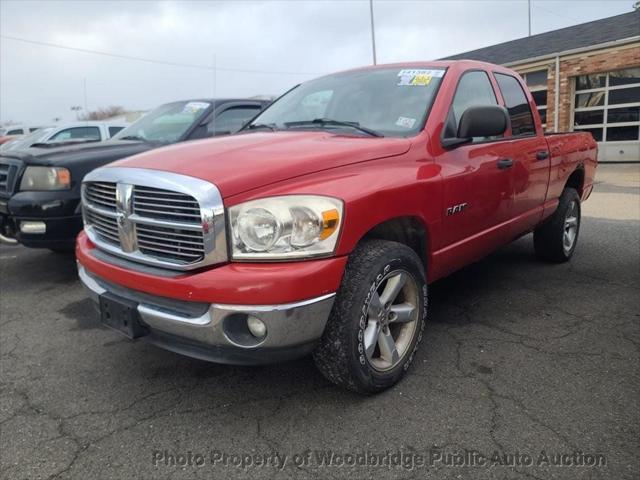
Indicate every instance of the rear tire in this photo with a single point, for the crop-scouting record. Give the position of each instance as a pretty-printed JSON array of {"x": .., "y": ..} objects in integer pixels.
[
  {"x": 556, "y": 239},
  {"x": 377, "y": 319}
]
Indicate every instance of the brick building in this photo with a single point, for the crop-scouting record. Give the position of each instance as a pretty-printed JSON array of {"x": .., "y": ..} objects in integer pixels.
[{"x": 598, "y": 81}]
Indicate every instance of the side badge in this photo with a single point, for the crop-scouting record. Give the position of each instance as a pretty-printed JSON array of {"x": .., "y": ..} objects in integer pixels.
[{"x": 456, "y": 208}]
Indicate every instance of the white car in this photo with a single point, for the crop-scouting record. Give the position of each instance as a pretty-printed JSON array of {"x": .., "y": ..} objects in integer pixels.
[
  {"x": 17, "y": 130},
  {"x": 80, "y": 131}
]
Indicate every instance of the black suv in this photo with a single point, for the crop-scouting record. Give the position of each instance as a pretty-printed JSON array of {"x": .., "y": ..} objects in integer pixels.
[{"x": 40, "y": 186}]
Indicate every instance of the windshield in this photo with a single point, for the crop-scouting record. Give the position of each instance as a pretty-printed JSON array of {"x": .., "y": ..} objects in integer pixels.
[
  {"x": 39, "y": 135},
  {"x": 390, "y": 101},
  {"x": 167, "y": 123}
]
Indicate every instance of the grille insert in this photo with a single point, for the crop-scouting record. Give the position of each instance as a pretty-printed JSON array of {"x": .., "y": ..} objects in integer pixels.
[
  {"x": 8, "y": 173},
  {"x": 164, "y": 204},
  {"x": 106, "y": 227},
  {"x": 102, "y": 194}
]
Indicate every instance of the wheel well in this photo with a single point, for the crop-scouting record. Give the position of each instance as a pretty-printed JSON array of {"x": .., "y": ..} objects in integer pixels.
[
  {"x": 407, "y": 230},
  {"x": 576, "y": 180}
]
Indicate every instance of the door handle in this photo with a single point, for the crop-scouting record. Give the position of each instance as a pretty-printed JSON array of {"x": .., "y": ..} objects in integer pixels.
[
  {"x": 542, "y": 155},
  {"x": 505, "y": 163}
]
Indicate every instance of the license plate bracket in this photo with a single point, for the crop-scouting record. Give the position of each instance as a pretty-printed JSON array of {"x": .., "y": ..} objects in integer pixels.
[{"x": 121, "y": 314}]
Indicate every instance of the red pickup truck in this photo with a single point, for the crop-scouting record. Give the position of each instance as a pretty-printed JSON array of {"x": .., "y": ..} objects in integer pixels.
[{"x": 319, "y": 226}]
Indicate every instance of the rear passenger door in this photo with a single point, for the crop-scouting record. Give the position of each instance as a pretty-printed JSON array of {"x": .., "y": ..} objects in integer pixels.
[{"x": 528, "y": 150}]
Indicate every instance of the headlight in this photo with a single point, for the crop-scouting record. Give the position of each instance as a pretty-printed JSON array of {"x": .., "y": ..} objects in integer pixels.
[
  {"x": 288, "y": 227},
  {"x": 45, "y": 178}
]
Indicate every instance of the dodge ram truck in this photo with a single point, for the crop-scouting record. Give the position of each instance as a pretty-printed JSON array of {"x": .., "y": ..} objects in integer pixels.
[
  {"x": 318, "y": 227},
  {"x": 40, "y": 185}
]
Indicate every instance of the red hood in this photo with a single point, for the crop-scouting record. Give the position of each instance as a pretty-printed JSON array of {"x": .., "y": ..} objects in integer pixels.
[{"x": 247, "y": 161}]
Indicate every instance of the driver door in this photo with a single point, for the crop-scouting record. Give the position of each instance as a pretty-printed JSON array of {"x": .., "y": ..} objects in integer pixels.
[{"x": 477, "y": 183}]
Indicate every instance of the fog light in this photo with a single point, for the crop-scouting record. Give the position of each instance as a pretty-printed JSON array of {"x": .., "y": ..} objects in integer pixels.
[
  {"x": 257, "y": 327},
  {"x": 33, "y": 227}
]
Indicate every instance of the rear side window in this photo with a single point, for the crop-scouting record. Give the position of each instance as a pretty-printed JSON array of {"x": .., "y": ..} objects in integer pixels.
[
  {"x": 77, "y": 133},
  {"x": 474, "y": 89},
  {"x": 517, "y": 104},
  {"x": 114, "y": 130},
  {"x": 232, "y": 119}
]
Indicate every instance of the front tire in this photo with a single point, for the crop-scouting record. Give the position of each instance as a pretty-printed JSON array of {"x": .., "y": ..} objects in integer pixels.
[
  {"x": 377, "y": 319},
  {"x": 556, "y": 239}
]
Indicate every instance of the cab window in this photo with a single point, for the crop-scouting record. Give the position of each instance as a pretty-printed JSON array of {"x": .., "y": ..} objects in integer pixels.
[
  {"x": 114, "y": 130},
  {"x": 517, "y": 104},
  {"x": 232, "y": 119},
  {"x": 77, "y": 133},
  {"x": 474, "y": 89}
]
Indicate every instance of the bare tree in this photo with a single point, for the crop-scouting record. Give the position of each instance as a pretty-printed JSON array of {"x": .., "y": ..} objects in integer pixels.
[{"x": 104, "y": 113}]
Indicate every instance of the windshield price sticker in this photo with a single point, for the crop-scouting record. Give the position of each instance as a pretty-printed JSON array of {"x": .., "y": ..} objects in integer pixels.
[
  {"x": 406, "y": 122},
  {"x": 417, "y": 77},
  {"x": 195, "y": 107}
]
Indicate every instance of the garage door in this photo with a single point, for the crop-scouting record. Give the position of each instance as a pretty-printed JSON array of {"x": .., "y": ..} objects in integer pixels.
[{"x": 608, "y": 105}]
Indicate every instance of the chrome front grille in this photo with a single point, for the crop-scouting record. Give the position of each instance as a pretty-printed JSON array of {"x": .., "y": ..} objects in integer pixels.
[{"x": 154, "y": 217}]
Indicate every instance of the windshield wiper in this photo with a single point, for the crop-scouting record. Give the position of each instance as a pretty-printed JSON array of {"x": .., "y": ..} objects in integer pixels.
[
  {"x": 132, "y": 137},
  {"x": 328, "y": 122},
  {"x": 256, "y": 126}
]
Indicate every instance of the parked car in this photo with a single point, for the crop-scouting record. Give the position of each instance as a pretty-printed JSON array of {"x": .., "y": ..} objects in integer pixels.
[
  {"x": 16, "y": 130},
  {"x": 66, "y": 133},
  {"x": 319, "y": 229},
  {"x": 13, "y": 132},
  {"x": 40, "y": 186}
]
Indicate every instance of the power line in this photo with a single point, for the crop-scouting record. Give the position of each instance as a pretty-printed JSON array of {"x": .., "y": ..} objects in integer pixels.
[
  {"x": 151, "y": 60},
  {"x": 556, "y": 13}
]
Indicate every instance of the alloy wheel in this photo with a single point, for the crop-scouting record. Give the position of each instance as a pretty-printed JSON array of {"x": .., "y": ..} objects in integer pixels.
[{"x": 391, "y": 320}]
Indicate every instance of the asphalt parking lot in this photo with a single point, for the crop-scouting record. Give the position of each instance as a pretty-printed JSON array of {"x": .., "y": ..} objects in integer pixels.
[{"x": 520, "y": 358}]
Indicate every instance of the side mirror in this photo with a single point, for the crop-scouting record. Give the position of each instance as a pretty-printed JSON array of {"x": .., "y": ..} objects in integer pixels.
[{"x": 479, "y": 121}]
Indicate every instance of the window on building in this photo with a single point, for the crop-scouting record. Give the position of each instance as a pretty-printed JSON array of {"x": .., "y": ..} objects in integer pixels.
[
  {"x": 608, "y": 105},
  {"x": 517, "y": 105},
  {"x": 537, "y": 84}
]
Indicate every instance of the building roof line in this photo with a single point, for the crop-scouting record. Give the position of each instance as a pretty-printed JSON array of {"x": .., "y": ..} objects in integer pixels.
[
  {"x": 550, "y": 43},
  {"x": 573, "y": 51}
]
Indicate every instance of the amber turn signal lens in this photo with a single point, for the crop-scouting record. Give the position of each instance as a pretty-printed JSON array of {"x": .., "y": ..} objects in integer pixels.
[
  {"x": 330, "y": 223},
  {"x": 64, "y": 177}
]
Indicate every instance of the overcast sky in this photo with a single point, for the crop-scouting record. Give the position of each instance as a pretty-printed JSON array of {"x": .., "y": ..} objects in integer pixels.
[{"x": 291, "y": 41}]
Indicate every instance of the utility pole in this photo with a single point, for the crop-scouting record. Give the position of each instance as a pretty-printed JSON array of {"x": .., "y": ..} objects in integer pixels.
[
  {"x": 373, "y": 33},
  {"x": 214, "y": 74},
  {"x": 529, "y": 14},
  {"x": 214, "y": 86},
  {"x": 84, "y": 85}
]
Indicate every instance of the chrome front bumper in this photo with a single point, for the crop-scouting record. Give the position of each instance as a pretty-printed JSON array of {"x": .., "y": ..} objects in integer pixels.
[{"x": 200, "y": 330}]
